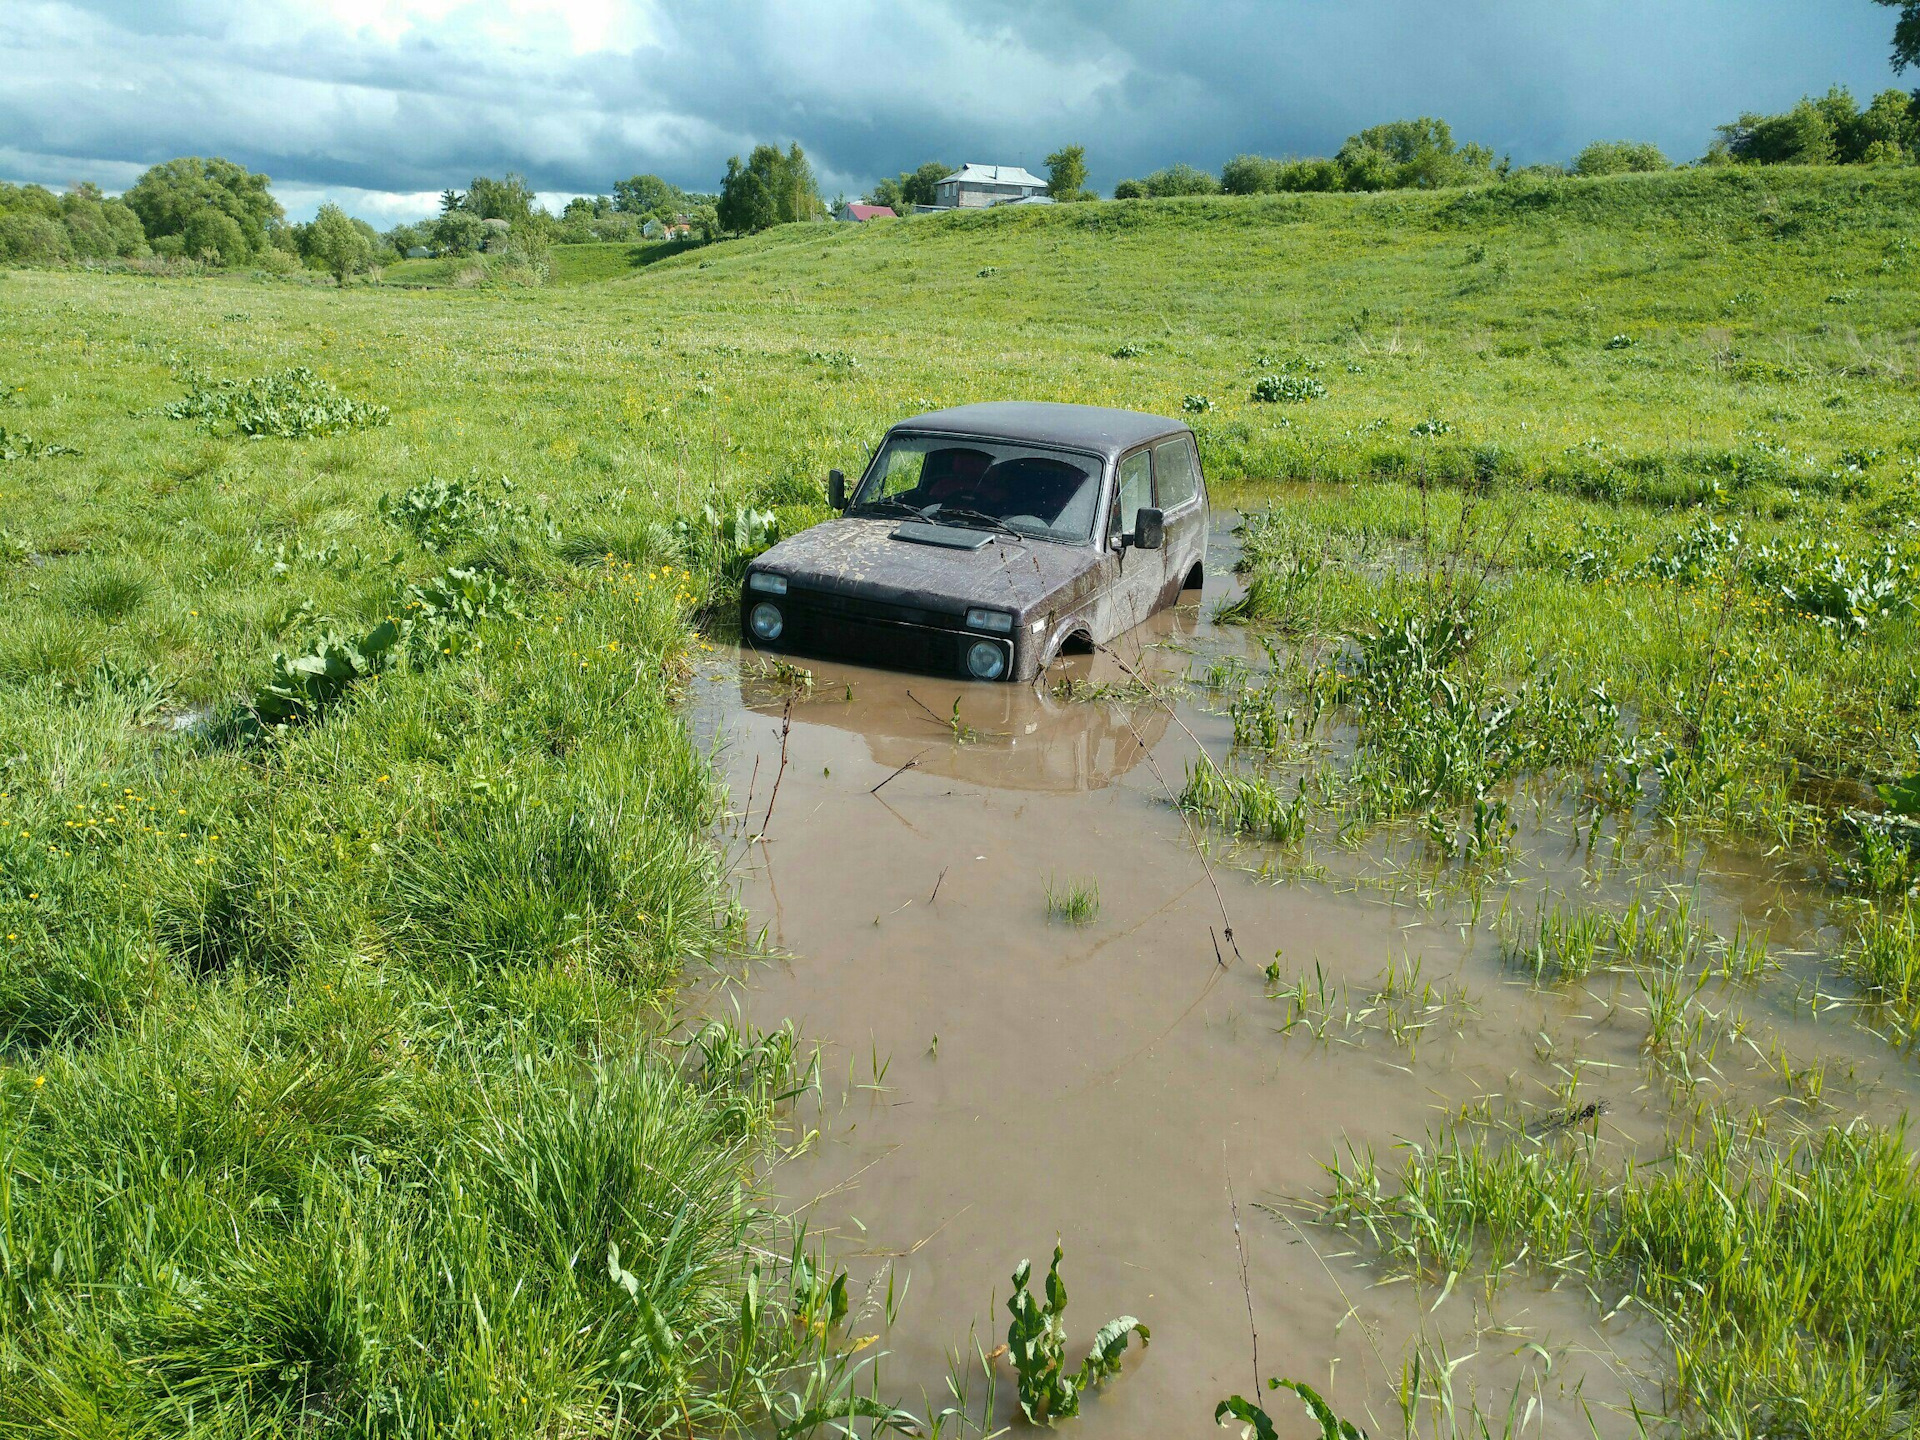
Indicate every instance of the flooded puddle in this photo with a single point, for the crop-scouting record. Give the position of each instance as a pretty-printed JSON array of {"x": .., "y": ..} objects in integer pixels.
[{"x": 996, "y": 1075}]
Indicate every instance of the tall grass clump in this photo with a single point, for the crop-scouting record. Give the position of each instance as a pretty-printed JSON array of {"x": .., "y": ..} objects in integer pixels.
[
  {"x": 1782, "y": 1272},
  {"x": 1660, "y": 932},
  {"x": 1245, "y": 803},
  {"x": 1884, "y": 958},
  {"x": 1076, "y": 901}
]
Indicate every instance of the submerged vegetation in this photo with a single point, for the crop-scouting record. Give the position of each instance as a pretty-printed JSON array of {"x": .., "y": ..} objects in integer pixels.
[{"x": 352, "y": 842}]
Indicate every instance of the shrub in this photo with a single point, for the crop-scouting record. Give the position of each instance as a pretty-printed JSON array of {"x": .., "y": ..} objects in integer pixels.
[
  {"x": 1249, "y": 175},
  {"x": 1287, "y": 389},
  {"x": 216, "y": 239},
  {"x": 1618, "y": 157},
  {"x": 27, "y": 239},
  {"x": 293, "y": 405},
  {"x": 1181, "y": 179}
]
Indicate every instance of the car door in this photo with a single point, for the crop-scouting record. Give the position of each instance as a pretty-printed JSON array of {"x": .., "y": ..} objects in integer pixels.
[
  {"x": 1181, "y": 496},
  {"x": 1138, "y": 576}
]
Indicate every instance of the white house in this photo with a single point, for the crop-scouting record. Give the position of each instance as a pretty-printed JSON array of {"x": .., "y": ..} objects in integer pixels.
[{"x": 973, "y": 186}]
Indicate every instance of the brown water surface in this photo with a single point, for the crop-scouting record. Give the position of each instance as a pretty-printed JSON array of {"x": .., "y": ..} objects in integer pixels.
[{"x": 996, "y": 1076}]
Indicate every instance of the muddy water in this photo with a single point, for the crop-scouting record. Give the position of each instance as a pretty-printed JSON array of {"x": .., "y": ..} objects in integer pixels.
[{"x": 996, "y": 1076}]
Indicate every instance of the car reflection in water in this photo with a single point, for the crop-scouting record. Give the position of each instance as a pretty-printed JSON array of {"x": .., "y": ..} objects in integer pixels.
[{"x": 1017, "y": 737}]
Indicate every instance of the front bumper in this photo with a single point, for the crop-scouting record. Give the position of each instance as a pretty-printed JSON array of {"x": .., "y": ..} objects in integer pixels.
[{"x": 871, "y": 632}]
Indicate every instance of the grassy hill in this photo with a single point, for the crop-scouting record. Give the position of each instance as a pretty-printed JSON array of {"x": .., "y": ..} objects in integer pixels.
[
  {"x": 266, "y": 988},
  {"x": 1675, "y": 319}
]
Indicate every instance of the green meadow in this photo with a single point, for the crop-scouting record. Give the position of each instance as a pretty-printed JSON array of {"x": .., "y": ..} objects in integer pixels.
[{"x": 353, "y": 843}]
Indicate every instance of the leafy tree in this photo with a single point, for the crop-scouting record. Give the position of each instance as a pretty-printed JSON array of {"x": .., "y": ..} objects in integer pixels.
[
  {"x": 1366, "y": 167},
  {"x": 770, "y": 189},
  {"x": 1130, "y": 190},
  {"x": 1800, "y": 136},
  {"x": 99, "y": 228},
  {"x": 910, "y": 188},
  {"x": 30, "y": 238},
  {"x": 1830, "y": 130},
  {"x": 402, "y": 238},
  {"x": 1411, "y": 154},
  {"x": 648, "y": 195},
  {"x": 509, "y": 199},
  {"x": 920, "y": 188},
  {"x": 341, "y": 246},
  {"x": 1906, "y": 33},
  {"x": 29, "y": 200},
  {"x": 796, "y": 193},
  {"x": 169, "y": 196},
  {"x": 215, "y": 237},
  {"x": 1067, "y": 174},
  {"x": 746, "y": 204},
  {"x": 458, "y": 232},
  {"x": 1618, "y": 157},
  {"x": 1887, "y": 132},
  {"x": 450, "y": 201}
]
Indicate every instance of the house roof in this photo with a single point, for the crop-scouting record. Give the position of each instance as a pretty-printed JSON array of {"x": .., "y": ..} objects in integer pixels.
[
  {"x": 1078, "y": 427},
  {"x": 871, "y": 212},
  {"x": 995, "y": 175}
]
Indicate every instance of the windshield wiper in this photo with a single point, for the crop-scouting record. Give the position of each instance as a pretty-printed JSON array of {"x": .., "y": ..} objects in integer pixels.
[
  {"x": 889, "y": 502},
  {"x": 967, "y": 517}
]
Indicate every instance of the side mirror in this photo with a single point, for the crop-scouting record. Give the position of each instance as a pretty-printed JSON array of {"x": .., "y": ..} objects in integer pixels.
[
  {"x": 1149, "y": 529},
  {"x": 836, "y": 489}
]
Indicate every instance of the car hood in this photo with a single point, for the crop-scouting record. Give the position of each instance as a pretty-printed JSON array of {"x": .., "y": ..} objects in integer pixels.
[{"x": 861, "y": 558}]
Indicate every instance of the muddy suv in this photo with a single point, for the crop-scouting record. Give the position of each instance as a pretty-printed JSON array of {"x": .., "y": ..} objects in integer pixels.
[{"x": 984, "y": 540}]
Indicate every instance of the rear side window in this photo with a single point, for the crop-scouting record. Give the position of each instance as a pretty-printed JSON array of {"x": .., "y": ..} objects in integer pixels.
[
  {"x": 1135, "y": 490},
  {"x": 1174, "y": 471}
]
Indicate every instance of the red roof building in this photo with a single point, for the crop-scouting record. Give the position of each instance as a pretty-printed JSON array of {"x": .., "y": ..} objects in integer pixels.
[{"x": 861, "y": 213}]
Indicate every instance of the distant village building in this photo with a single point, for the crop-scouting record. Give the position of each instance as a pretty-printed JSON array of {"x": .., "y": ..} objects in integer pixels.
[
  {"x": 860, "y": 214},
  {"x": 974, "y": 186}
]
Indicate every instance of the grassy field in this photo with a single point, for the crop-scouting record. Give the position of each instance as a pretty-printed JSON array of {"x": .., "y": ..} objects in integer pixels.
[{"x": 346, "y": 809}]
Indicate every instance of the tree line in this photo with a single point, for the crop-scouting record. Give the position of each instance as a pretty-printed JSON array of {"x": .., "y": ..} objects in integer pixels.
[{"x": 215, "y": 212}]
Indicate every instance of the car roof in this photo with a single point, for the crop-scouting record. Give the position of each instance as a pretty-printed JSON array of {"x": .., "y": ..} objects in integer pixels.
[{"x": 1080, "y": 427}]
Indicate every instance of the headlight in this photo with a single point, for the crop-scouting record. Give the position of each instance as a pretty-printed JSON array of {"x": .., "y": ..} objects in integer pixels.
[
  {"x": 767, "y": 581},
  {"x": 998, "y": 621},
  {"x": 766, "y": 620},
  {"x": 986, "y": 660}
]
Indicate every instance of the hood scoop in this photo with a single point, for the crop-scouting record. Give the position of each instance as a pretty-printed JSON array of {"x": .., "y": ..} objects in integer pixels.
[{"x": 918, "y": 532}]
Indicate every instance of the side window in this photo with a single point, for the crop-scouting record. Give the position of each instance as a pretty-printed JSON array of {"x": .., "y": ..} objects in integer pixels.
[
  {"x": 902, "y": 474},
  {"x": 1135, "y": 490},
  {"x": 1173, "y": 468}
]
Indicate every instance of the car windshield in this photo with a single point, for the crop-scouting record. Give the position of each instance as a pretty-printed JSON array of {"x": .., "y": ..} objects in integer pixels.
[{"x": 1047, "y": 494}]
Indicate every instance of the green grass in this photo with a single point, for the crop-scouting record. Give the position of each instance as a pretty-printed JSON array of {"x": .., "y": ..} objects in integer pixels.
[
  {"x": 566, "y": 264},
  {"x": 294, "y": 915},
  {"x": 1077, "y": 901},
  {"x": 1780, "y": 1268}
]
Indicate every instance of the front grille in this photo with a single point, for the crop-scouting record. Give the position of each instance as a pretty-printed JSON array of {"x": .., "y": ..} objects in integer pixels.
[
  {"x": 869, "y": 641},
  {"x": 870, "y": 632},
  {"x": 861, "y": 608}
]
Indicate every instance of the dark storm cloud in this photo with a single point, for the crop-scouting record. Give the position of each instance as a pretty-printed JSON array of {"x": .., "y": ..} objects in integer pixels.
[{"x": 381, "y": 101}]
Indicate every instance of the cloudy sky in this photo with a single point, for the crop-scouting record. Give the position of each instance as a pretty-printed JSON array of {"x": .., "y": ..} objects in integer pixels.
[{"x": 381, "y": 104}]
